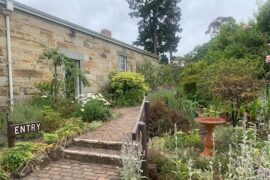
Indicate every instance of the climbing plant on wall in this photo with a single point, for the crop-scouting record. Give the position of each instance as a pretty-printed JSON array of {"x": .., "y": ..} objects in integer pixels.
[{"x": 62, "y": 86}]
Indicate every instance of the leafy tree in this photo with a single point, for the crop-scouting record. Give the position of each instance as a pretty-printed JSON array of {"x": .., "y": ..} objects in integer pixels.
[
  {"x": 237, "y": 84},
  {"x": 237, "y": 41},
  {"x": 197, "y": 53},
  {"x": 164, "y": 59},
  {"x": 263, "y": 18},
  {"x": 215, "y": 25},
  {"x": 158, "y": 25}
]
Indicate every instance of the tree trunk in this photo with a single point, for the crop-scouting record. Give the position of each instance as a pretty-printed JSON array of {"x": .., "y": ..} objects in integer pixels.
[
  {"x": 171, "y": 56},
  {"x": 155, "y": 32}
]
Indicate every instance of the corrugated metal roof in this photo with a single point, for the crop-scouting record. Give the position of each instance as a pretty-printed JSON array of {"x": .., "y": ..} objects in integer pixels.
[{"x": 51, "y": 18}]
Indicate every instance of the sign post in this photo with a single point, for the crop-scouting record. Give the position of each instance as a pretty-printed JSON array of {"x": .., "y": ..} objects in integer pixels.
[{"x": 15, "y": 129}]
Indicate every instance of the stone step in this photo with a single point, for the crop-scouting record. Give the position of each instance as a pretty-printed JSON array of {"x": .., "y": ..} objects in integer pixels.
[
  {"x": 97, "y": 144},
  {"x": 93, "y": 155}
]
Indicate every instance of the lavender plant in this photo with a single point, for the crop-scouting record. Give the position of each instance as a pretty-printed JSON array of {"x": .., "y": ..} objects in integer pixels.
[
  {"x": 248, "y": 161},
  {"x": 131, "y": 159}
]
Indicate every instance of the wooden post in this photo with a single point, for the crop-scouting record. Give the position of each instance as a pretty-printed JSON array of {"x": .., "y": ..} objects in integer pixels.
[
  {"x": 142, "y": 128},
  {"x": 10, "y": 137},
  {"x": 147, "y": 113}
]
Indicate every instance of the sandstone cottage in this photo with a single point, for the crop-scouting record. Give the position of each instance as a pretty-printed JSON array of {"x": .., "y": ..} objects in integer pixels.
[{"x": 24, "y": 31}]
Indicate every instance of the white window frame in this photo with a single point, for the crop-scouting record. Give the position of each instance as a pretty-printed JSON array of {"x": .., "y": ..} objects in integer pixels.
[{"x": 122, "y": 63}]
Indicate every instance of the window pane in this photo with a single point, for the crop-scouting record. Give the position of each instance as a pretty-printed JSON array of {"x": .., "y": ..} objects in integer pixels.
[{"x": 122, "y": 63}]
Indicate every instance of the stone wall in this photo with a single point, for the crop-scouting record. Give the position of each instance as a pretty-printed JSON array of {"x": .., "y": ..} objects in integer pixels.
[{"x": 29, "y": 36}]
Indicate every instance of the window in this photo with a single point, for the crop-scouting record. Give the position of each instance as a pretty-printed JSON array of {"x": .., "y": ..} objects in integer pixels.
[{"x": 122, "y": 63}]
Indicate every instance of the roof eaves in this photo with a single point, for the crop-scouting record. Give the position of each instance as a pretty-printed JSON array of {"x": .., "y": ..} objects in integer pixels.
[{"x": 51, "y": 18}]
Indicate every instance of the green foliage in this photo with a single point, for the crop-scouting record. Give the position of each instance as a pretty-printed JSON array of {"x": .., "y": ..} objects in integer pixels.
[
  {"x": 237, "y": 41},
  {"x": 131, "y": 159},
  {"x": 128, "y": 88},
  {"x": 52, "y": 119},
  {"x": 50, "y": 138},
  {"x": 160, "y": 75},
  {"x": 94, "y": 125},
  {"x": 165, "y": 165},
  {"x": 3, "y": 174},
  {"x": 94, "y": 110},
  {"x": 158, "y": 25},
  {"x": 216, "y": 24},
  {"x": 71, "y": 128},
  {"x": 199, "y": 79},
  {"x": 263, "y": 17},
  {"x": 45, "y": 88},
  {"x": 14, "y": 158},
  {"x": 150, "y": 71},
  {"x": 166, "y": 96},
  {"x": 184, "y": 140},
  {"x": 25, "y": 111},
  {"x": 162, "y": 119},
  {"x": 179, "y": 105},
  {"x": 59, "y": 86},
  {"x": 66, "y": 108}
]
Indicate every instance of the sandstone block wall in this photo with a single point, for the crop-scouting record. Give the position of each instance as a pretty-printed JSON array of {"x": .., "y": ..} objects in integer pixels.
[{"x": 29, "y": 36}]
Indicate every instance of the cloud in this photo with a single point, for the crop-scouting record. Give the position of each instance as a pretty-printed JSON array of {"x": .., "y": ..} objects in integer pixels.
[{"x": 113, "y": 15}]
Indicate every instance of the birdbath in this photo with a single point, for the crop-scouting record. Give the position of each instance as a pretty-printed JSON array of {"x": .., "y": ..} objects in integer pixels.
[{"x": 209, "y": 123}]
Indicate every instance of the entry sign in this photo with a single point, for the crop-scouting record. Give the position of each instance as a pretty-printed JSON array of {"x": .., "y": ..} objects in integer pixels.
[{"x": 17, "y": 129}]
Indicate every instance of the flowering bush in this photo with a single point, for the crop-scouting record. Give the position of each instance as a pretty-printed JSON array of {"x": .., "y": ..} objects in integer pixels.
[
  {"x": 94, "y": 107},
  {"x": 128, "y": 88}
]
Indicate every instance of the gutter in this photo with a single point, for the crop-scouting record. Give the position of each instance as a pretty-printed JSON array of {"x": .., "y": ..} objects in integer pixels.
[
  {"x": 35, "y": 12},
  {"x": 7, "y": 12}
]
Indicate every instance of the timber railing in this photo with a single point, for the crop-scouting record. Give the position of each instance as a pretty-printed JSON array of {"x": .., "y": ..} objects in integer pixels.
[{"x": 139, "y": 134}]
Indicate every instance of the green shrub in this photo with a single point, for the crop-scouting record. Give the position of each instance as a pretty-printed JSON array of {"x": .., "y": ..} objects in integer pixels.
[
  {"x": 14, "y": 158},
  {"x": 3, "y": 175},
  {"x": 66, "y": 108},
  {"x": 165, "y": 165},
  {"x": 25, "y": 111},
  {"x": 52, "y": 120},
  {"x": 3, "y": 120},
  {"x": 94, "y": 125},
  {"x": 128, "y": 88},
  {"x": 162, "y": 120},
  {"x": 94, "y": 110},
  {"x": 185, "y": 140},
  {"x": 72, "y": 127},
  {"x": 50, "y": 138},
  {"x": 168, "y": 96}
]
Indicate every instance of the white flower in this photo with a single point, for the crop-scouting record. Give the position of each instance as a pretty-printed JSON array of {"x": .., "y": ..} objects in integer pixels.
[
  {"x": 72, "y": 102},
  {"x": 107, "y": 104},
  {"x": 100, "y": 95},
  {"x": 82, "y": 109},
  {"x": 44, "y": 96},
  {"x": 89, "y": 94}
]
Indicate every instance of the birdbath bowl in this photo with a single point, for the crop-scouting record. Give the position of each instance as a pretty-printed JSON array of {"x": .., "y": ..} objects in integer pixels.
[{"x": 209, "y": 123}]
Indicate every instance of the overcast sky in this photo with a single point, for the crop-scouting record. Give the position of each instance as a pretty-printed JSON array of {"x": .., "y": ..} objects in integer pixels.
[{"x": 113, "y": 15}]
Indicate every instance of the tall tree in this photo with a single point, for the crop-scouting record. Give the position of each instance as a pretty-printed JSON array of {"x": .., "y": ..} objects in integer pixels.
[
  {"x": 215, "y": 25},
  {"x": 159, "y": 24},
  {"x": 263, "y": 18}
]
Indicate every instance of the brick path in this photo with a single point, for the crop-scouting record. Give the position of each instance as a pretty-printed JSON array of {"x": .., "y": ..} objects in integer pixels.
[
  {"x": 114, "y": 130},
  {"x": 67, "y": 169},
  {"x": 75, "y": 170}
]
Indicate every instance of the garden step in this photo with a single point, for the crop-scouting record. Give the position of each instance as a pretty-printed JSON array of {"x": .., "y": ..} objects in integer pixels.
[
  {"x": 97, "y": 144},
  {"x": 93, "y": 155}
]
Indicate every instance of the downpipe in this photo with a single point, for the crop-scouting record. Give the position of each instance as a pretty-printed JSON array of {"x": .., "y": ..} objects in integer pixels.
[{"x": 7, "y": 12}]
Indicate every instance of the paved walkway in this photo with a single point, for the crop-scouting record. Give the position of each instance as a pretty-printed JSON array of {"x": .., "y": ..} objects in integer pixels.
[
  {"x": 113, "y": 130},
  {"x": 74, "y": 170}
]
